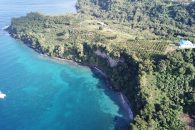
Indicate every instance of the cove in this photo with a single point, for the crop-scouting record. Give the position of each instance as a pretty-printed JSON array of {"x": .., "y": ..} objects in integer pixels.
[{"x": 44, "y": 94}]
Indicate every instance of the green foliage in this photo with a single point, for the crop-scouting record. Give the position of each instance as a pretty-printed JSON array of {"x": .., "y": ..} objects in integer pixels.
[
  {"x": 136, "y": 33},
  {"x": 167, "y": 90},
  {"x": 162, "y": 17}
]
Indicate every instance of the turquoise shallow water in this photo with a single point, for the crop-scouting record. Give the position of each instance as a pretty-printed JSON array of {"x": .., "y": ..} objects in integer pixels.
[{"x": 43, "y": 94}]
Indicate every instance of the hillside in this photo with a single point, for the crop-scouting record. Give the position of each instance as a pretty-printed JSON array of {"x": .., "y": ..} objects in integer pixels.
[
  {"x": 128, "y": 41},
  {"x": 60, "y": 29},
  {"x": 162, "y": 17}
]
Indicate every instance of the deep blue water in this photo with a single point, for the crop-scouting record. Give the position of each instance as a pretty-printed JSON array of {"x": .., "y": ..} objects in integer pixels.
[{"x": 43, "y": 94}]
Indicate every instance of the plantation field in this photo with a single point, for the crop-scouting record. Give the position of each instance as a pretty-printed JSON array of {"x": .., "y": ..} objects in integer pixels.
[{"x": 71, "y": 30}]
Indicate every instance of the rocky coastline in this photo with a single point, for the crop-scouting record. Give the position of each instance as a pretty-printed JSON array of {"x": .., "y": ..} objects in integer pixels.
[{"x": 94, "y": 68}]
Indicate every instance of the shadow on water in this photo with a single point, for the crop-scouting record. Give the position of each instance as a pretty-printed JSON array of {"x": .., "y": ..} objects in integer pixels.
[{"x": 122, "y": 122}]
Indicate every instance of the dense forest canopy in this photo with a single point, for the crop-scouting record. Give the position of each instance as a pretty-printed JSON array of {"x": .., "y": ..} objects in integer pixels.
[
  {"x": 136, "y": 35},
  {"x": 162, "y": 17}
]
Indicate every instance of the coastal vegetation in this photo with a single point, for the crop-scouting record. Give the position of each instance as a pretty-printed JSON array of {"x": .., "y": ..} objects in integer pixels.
[
  {"x": 130, "y": 41},
  {"x": 166, "y": 18}
]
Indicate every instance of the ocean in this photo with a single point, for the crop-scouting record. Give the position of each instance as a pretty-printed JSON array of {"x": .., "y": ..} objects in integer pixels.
[{"x": 42, "y": 94}]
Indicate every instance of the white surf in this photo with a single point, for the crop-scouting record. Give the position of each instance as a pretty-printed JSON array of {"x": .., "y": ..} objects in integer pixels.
[{"x": 2, "y": 95}]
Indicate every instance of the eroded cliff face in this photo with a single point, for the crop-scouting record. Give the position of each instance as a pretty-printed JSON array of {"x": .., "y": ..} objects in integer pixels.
[{"x": 112, "y": 62}]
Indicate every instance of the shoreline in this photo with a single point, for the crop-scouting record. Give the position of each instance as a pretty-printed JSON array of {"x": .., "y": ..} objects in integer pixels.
[
  {"x": 94, "y": 68},
  {"x": 123, "y": 100}
]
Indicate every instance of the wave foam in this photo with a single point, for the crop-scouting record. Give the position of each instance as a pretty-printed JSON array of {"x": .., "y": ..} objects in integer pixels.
[{"x": 2, "y": 95}]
